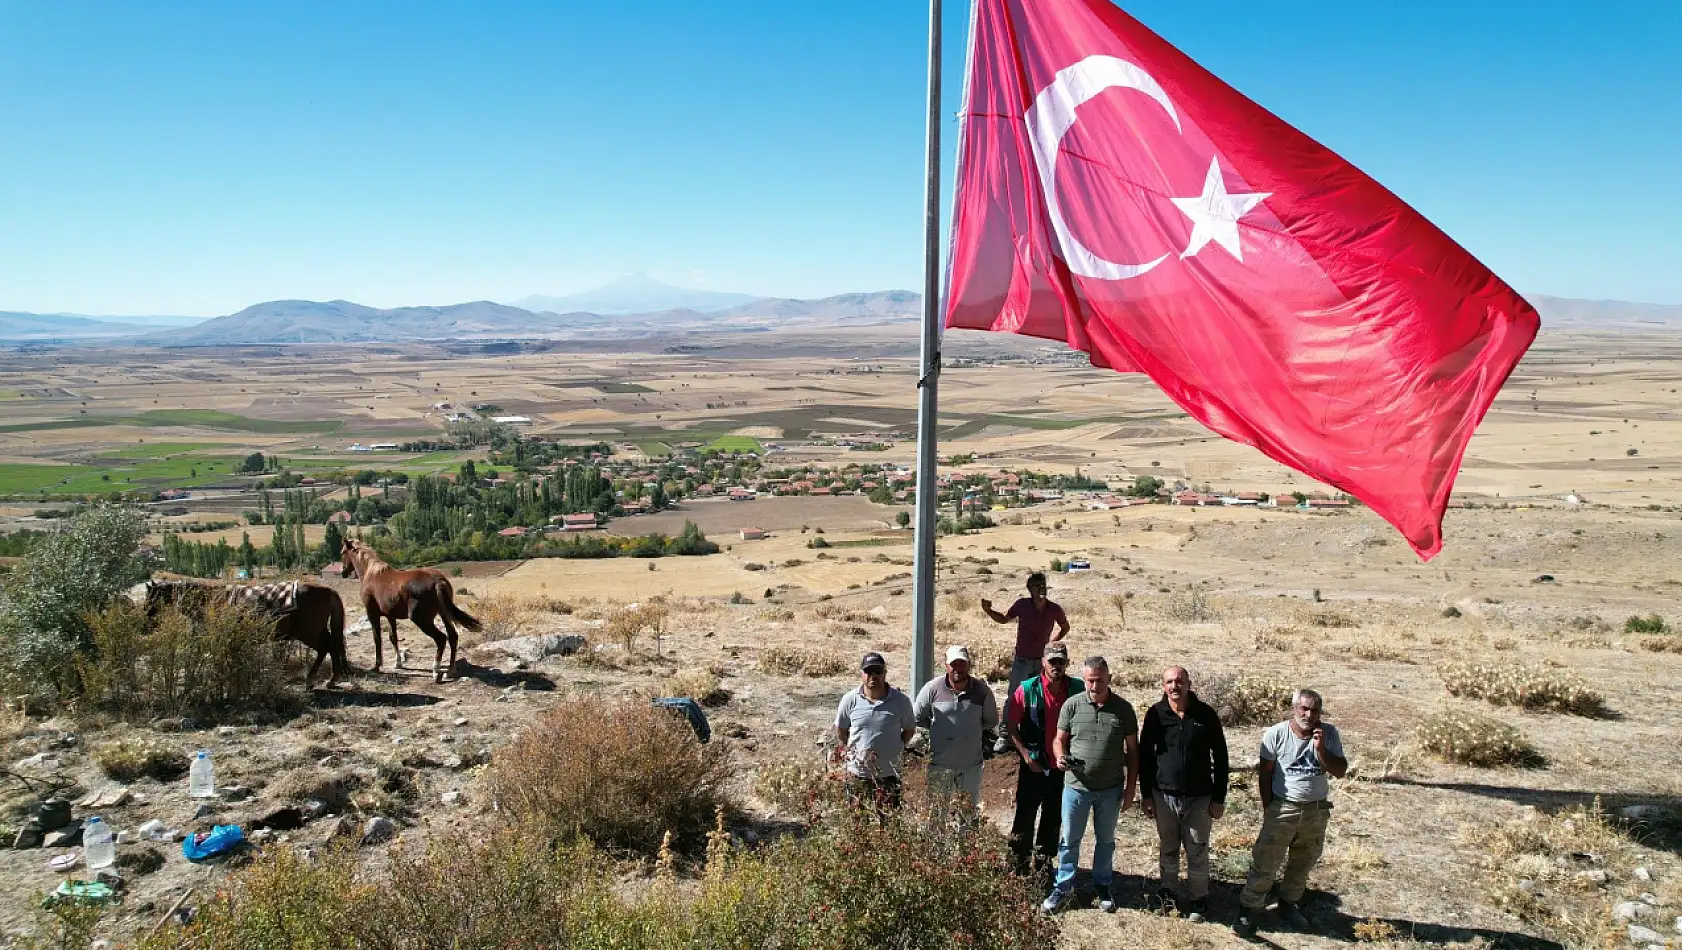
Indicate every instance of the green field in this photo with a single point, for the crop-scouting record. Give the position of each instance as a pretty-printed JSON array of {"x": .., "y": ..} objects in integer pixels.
[
  {"x": 205, "y": 418},
  {"x": 18, "y": 479},
  {"x": 654, "y": 448},
  {"x": 144, "y": 474},
  {"x": 152, "y": 450},
  {"x": 734, "y": 443}
]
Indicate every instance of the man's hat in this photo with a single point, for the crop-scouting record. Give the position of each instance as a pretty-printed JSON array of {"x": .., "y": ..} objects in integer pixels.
[
  {"x": 872, "y": 660},
  {"x": 955, "y": 653},
  {"x": 1056, "y": 651}
]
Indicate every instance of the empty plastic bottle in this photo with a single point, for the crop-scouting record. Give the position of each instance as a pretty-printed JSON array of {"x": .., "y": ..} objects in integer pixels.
[
  {"x": 201, "y": 779},
  {"x": 98, "y": 847}
]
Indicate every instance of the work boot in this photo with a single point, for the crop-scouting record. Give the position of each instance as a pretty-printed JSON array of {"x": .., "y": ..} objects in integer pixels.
[
  {"x": 1292, "y": 915},
  {"x": 1106, "y": 899},
  {"x": 1244, "y": 925},
  {"x": 1197, "y": 911}
]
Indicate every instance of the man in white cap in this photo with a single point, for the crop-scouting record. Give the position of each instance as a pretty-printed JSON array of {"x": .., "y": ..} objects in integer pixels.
[{"x": 958, "y": 710}]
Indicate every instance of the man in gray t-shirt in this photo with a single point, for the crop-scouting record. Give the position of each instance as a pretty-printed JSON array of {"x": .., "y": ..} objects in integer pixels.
[
  {"x": 872, "y": 725},
  {"x": 1296, "y": 757}
]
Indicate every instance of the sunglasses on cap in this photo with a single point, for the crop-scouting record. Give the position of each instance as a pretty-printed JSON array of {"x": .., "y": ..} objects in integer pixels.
[{"x": 875, "y": 670}]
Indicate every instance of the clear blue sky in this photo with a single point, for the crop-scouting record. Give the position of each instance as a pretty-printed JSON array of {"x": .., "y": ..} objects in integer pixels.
[{"x": 195, "y": 157}]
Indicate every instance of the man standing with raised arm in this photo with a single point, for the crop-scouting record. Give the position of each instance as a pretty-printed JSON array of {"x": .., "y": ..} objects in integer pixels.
[{"x": 1036, "y": 618}]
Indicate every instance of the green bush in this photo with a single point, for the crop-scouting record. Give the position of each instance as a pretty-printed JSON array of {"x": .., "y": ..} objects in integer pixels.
[
  {"x": 44, "y": 608},
  {"x": 1652, "y": 623}
]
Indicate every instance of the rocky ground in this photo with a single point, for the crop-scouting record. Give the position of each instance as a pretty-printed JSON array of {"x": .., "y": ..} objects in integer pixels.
[{"x": 1571, "y": 854}]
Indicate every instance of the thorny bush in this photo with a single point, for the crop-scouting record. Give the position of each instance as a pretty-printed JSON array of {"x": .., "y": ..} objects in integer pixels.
[
  {"x": 1528, "y": 687},
  {"x": 1467, "y": 738},
  {"x": 619, "y": 774}
]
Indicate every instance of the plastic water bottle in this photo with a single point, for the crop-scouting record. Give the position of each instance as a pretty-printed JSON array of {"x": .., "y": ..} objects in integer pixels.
[
  {"x": 98, "y": 848},
  {"x": 201, "y": 778}
]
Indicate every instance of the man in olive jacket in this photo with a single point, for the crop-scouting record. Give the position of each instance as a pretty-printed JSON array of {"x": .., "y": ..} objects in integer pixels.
[{"x": 1183, "y": 771}]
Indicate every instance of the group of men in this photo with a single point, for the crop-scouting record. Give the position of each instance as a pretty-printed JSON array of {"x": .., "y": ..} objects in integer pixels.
[{"x": 1084, "y": 758}]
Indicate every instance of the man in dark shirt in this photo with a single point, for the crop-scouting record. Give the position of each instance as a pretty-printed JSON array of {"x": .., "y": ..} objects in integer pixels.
[{"x": 1183, "y": 772}]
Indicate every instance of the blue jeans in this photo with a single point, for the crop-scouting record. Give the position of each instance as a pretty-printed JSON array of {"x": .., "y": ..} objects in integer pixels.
[{"x": 1105, "y": 808}]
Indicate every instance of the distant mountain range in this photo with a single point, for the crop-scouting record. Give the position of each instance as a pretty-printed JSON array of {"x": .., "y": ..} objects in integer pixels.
[
  {"x": 34, "y": 327},
  {"x": 613, "y": 316},
  {"x": 633, "y": 294}
]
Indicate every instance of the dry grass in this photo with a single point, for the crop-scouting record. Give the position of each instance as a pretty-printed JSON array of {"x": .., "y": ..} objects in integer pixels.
[
  {"x": 129, "y": 760},
  {"x": 621, "y": 776},
  {"x": 1245, "y": 698},
  {"x": 503, "y": 616},
  {"x": 1468, "y": 738},
  {"x": 1378, "y": 652},
  {"x": 1538, "y": 689},
  {"x": 1279, "y": 639},
  {"x": 1664, "y": 644},
  {"x": 699, "y": 684},
  {"x": 795, "y": 661},
  {"x": 626, "y": 625}
]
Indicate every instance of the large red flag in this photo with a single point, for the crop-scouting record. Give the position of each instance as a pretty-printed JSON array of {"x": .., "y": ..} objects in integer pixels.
[{"x": 1115, "y": 195}]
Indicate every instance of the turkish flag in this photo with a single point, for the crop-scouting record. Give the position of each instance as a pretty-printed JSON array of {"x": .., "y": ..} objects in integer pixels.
[{"x": 1115, "y": 195}]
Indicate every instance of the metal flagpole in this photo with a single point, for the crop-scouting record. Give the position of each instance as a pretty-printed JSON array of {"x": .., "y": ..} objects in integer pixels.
[{"x": 922, "y": 640}]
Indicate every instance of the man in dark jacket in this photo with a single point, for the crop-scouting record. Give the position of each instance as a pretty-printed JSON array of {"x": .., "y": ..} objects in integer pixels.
[
  {"x": 1031, "y": 726},
  {"x": 1182, "y": 783}
]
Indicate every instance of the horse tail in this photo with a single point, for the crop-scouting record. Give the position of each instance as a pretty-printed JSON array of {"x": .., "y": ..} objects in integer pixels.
[{"x": 448, "y": 595}]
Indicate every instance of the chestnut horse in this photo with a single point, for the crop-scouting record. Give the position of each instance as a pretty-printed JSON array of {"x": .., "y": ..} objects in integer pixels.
[{"x": 420, "y": 595}]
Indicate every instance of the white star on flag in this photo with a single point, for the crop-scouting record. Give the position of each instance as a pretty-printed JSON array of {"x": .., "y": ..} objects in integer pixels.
[{"x": 1215, "y": 214}]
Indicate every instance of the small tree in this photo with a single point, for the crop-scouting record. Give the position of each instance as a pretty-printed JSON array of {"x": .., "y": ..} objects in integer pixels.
[
  {"x": 1145, "y": 486},
  {"x": 903, "y": 519},
  {"x": 333, "y": 543},
  {"x": 43, "y": 611},
  {"x": 253, "y": 464}
]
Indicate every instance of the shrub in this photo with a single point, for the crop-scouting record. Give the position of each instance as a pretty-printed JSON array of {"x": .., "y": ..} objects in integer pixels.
[
  {"x": 791, "y": 786},
  {"x": 619, "y": 775},
  {"x": 502, "y": 616},
  {"x": 700, "y": 685},
  {"x": 793, "y": 661},
  {"x": 1244, "y": 698},
  {"x": 129, "y": 760},
  {"x": 911, "y": 881},
  {"x": 228, "y": 660},
  {"x": 1527, "y": 687},
  {"x": 1451, "y": 612},
  {"x": 1279, "y": 639},
  {"x": 67, "y": 574},
  {"x": 1467, "y": 738},
  {"x": 1662, "y": 644},
  {"x": 626, "y": 625},
  {"x": 1652, "y": 623},
  {"x": 1378, "y": 652}
]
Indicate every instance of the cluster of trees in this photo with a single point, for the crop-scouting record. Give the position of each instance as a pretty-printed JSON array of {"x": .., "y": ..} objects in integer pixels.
[{"x": 474, "y": 546}]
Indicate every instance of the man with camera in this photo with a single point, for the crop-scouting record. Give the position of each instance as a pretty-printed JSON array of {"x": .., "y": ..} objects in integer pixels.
[
  {"x": 1296, "y": 757},
  {"x": 872, "y": 725},
  {"x": 958, "y": 710},
  {"x": 1097, "y": 747},
  {"x": 1031, "y": 727}
]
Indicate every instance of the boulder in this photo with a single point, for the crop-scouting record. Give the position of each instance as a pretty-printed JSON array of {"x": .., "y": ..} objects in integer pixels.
[
  {"x": 1645, "y": 936},
  {"x": 534, "y": 648},
  {"x": 452, "y": 798},
  {"x": 378, "y": 829},
  {"x": 1630, "y": 910}
]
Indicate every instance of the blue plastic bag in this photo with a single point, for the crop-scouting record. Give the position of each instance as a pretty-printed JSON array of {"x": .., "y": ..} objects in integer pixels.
[{"x": 221, "y": 840}]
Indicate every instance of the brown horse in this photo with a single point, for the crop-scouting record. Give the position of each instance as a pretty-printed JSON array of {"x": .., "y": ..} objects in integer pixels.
[
  {"x": 420, "y": 595},
  {"x": 308, "y": 613}
]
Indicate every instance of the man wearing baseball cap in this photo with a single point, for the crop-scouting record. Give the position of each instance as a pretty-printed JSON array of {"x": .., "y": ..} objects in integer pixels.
[
  {"x": 958, "y": 710},
  {"x": 872, "y": 726}
]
